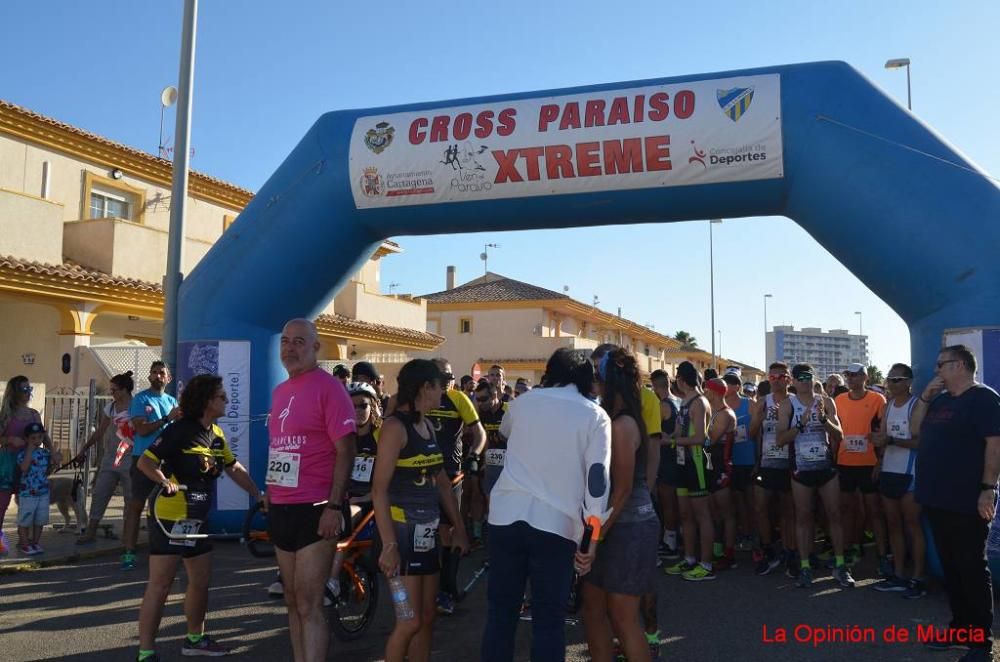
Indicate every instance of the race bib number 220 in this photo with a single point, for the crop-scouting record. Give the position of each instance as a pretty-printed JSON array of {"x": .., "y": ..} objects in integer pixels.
[{"x": 283, "y": 469}]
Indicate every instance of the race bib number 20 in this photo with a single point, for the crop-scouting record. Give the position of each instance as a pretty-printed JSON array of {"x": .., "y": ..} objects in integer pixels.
[{"x": 283, "y": 469}]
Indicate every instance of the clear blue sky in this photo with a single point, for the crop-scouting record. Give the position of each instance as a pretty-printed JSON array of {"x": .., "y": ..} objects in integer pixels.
[{"x": 267, "y": 70}]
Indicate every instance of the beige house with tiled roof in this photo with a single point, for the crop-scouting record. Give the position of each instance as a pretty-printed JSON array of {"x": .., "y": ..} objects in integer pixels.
[
  {"x": 495, "y": 319},
  {"x": 498, "y": 320},
  {"x": 83, "y": 244}
]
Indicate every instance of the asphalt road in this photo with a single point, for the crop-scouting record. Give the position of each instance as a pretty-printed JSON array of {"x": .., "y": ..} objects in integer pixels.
[{"x": 88, "y": 612}]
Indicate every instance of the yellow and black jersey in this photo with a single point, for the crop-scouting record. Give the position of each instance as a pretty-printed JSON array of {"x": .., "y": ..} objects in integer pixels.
[
  {"x": 491, "y": 424},
  {"x": 448, "y": 419},
  {"x": 192, "y": 455},
  {"x": 413, "y": 492}
]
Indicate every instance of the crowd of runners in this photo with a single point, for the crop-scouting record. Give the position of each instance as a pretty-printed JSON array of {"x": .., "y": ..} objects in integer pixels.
[{"x": 671, "y": 474}]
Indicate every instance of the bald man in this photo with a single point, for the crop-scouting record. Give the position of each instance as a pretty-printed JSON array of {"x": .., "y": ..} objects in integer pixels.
[{"x": 310, "y": 456}]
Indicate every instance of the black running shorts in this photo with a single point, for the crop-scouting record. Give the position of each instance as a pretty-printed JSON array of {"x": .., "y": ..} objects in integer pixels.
[{"x": 294, "y": 526}]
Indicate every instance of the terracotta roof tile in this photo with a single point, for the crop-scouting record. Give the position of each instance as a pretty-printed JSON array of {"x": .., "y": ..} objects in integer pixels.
[
  {"x": 500, "y": 289},
  {"x": 75, "y": 272},
  {"x": 117, "y": 145}
]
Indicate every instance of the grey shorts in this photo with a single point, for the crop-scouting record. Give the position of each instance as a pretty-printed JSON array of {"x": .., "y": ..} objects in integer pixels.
[{"x": 626, "y": 559}]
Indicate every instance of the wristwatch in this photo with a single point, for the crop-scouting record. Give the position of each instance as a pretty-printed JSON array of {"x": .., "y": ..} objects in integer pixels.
[{"x": 986, "y": 486}]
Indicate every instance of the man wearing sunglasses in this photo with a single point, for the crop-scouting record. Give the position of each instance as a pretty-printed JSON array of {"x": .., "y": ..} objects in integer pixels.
[
  {"x": 771, "y": 480},
  {"x": 450, "y": 419},
  {"x": 860, "y": 411},
  {"x": 958, "y": 461},
  {"x": 810, "y": 428}
]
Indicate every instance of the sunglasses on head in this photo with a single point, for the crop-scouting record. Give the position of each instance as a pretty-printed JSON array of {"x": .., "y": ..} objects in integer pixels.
[{"x": 896, "y": 380}]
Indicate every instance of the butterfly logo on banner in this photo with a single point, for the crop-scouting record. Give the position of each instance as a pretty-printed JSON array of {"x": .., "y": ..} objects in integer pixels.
[{"x": 735, "y": 101}]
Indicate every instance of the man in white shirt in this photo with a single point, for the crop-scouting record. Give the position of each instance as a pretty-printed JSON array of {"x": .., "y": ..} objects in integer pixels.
[{"x": 555, "y": 478}]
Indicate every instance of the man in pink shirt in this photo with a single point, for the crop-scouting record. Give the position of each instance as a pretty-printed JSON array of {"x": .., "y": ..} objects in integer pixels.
[{"x": 310, "y": 455}]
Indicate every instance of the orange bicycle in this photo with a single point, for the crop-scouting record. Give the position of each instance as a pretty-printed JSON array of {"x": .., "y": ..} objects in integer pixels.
[{"x": 354, "y": 609}]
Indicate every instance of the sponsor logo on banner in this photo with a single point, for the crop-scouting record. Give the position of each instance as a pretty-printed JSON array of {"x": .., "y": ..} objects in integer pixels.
[
  {"x": 379, "y": 138},
  {"x": 729, "y": 157},
  {"x": 371, "y": 183},
  {"x": 668, "y": 134},
  {"x": 697, "y": 157},
  {"x": 735, "y": 102}
]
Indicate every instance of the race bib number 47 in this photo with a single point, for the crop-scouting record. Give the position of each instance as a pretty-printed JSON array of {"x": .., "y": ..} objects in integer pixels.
[{"x": 283, "y": 469}]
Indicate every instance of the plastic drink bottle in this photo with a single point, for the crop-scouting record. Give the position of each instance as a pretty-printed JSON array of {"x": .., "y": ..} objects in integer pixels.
[{"x": 400, "y": 599}]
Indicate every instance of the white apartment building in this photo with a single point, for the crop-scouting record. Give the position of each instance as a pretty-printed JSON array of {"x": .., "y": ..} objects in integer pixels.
[{"x": 827, "y": 352}]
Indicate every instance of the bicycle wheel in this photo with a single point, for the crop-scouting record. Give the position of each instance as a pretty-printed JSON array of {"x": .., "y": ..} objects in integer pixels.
[
  {"x": 255, "y": 536},
  {"x": 354, "y": 610}
]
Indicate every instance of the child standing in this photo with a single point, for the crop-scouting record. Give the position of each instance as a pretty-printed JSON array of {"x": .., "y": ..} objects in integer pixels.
[{"x": 35, "y": 463}]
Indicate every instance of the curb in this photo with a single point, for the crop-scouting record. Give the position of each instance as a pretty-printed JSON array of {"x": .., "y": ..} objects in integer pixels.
[{"x": 28, "y": 566}]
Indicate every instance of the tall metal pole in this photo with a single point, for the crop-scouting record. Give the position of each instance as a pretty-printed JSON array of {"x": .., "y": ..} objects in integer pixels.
[
  {"x": 766, "y": 297},
  {"x": 179, "y": 190},
  {"x": 909, "y": 100},
  {"x": 711, "y": 287}
]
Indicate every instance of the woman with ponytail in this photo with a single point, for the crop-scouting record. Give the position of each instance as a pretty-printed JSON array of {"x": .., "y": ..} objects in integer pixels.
[{"x": 625, "y": 566}]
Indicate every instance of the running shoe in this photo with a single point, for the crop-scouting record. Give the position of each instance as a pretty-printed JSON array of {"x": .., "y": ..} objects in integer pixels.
[
  {"x": 699, "y": 573},
  {"x": 277, "y": 588},
  {"x": 891, "y": 584},
  {"x": 152, "y": 658},
  {"x": 679, "y": 568},
  {"x": 805, "y": 578},
  {"x": 25, "y": 550},
  {"x": 654, "y": 642},
  {"x": 667, "y": 553},
  {"x": 885, "y": 568},
  {"x": 792, "y": 565},
  {"x": 843, "y": 576},
  {"x": 128, "y": 561},
  {"x": 724, "y": 563},
  {"x": 915, "y": 589},
  {"x": 445, "y": 604},
  {"x": 36, "y": 549},
  {"x": 206, "y": 647},
  {"x": 767, "y": 564}
]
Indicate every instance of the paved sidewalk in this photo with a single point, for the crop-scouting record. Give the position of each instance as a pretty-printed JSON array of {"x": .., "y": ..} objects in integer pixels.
[{"x": 59, "y": 543}]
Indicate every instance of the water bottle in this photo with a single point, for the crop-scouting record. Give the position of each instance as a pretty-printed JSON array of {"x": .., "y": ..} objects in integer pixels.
[{"x": 400, "y": 599}]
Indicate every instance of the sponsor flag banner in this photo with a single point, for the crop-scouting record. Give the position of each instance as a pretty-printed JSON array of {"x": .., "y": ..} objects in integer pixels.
[
  {"x": 698, "y": 132},
  {"x": 229, "y": 359}
]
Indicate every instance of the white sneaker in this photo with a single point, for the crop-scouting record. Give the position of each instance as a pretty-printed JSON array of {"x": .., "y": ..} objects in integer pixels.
[{"x": 276, "y": 590}]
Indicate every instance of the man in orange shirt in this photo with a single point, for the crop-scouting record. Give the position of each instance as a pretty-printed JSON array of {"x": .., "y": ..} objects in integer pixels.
[{"x": 860, "y": 413}]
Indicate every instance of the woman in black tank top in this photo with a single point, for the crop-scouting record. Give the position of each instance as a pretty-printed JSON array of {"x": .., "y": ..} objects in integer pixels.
[
  {"x": 409, "y": 482},
  {"x": 625, "y": 565}
]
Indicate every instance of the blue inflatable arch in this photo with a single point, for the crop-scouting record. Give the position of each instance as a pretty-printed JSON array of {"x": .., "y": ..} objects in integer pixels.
[{"x": 903, "y": 210}]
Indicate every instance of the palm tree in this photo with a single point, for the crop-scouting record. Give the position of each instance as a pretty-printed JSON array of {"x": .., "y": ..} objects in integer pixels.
[
  {"x": 875, "y": 375},
  {"x": 686, "y": 340}
]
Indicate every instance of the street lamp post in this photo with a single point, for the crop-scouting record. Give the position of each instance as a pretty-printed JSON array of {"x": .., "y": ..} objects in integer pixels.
[
  {"x": 720, "y": 341},
  {"x": 766, "y": 297},
  {"x": 179, "y": 189},
  {"x": 861, "y": 331},
  {"x": 711, "y": 286},
  {"x": 896, "y": 64}
]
